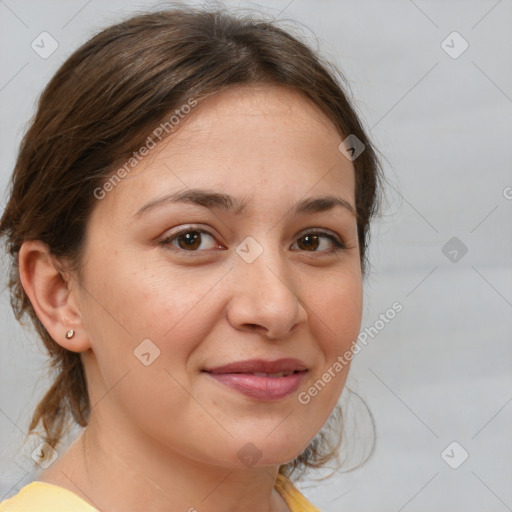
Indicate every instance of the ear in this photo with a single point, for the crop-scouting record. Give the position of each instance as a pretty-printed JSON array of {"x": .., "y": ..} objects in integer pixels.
[{"x": 53, "y": 295}]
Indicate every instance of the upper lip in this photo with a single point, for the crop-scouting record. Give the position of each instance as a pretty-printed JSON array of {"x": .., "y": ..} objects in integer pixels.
[{"x": 260, "y": 366}]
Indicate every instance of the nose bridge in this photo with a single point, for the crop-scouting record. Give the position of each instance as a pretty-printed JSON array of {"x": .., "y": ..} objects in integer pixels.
[
  {"x": 265, "y": 296},
  {"x": 263, "y": 260}
]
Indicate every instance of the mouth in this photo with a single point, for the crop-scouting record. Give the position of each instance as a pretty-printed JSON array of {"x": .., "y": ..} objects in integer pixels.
[
  {"x": 271, "y": 375},
  {"x": 259, "y": 379},
  {"x": 261, "y": 366}
]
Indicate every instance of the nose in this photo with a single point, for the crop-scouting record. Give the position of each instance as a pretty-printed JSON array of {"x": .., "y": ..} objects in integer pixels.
[{"x": 264, "y": 298}]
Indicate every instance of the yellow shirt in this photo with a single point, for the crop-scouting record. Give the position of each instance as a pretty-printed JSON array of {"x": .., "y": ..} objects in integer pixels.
[{"x": 43, "y": 497}]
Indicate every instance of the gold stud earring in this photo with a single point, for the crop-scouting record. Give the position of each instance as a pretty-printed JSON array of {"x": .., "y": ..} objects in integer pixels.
[{"x": 70, "y": 334}]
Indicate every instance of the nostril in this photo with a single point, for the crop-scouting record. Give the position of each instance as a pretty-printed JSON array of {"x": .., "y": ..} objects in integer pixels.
[
  {"x": 263, "y": 330},
  {"x": 254, "y": 327}
]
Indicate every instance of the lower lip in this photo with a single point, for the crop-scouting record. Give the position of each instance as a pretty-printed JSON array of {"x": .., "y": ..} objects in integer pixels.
[{"x": 259, "y": 387}]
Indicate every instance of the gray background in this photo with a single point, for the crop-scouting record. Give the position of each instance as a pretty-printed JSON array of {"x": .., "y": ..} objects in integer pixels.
[{"x": 440, "y": 371}]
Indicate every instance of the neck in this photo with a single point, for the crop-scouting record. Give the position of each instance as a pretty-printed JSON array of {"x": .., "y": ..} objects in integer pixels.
[{"x": 119, "y": 469}]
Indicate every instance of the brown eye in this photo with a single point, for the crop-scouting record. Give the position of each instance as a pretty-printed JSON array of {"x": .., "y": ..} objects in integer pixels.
[
  {"x": 191, "y": 240},
  {"x": 311, "y": 241}
]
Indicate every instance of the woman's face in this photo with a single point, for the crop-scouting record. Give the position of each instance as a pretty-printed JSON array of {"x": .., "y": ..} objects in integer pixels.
[{"x": 160, "y": 308}]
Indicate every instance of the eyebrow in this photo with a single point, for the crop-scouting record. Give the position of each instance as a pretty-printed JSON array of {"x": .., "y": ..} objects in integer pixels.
[{"x": 211, "y": 199}]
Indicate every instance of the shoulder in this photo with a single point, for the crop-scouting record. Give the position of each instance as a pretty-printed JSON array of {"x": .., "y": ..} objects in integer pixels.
[
  {"x": 45, "y": 497},
  {"x": 295, "y": 500}
]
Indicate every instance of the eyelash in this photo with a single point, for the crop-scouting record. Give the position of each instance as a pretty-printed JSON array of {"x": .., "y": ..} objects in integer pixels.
[{"x": 166, "y": 242}]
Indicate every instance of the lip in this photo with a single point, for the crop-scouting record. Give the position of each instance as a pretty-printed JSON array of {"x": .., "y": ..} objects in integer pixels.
[
  {"x": 287, "y": 364},
  {"x": 239, "y": 376}
]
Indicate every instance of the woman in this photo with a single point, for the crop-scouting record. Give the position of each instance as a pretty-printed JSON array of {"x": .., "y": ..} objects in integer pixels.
[{"x": 188, "y": 225}]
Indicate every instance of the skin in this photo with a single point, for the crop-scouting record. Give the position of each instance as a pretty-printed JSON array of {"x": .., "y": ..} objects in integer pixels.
[{"x": 168, "y": 433}]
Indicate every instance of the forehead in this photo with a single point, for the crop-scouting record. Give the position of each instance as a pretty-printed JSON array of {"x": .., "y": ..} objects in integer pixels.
[{"x": 266, "y": 141}]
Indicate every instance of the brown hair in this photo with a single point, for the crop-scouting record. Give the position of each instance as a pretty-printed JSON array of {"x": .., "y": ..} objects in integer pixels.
[{"x": 102, "y": 104}]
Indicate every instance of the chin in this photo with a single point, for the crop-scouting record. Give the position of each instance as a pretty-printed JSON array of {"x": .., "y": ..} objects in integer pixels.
[{"x": 271, "y": 451}]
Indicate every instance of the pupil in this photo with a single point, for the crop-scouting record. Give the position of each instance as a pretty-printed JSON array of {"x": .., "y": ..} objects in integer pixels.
[
  {"x": 191, "y": 240},
  {"x": 312, "y": 241}
]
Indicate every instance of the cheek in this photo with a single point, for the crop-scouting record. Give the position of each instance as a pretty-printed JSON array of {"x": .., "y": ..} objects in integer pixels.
[
  {"x": 125, "y": 306},
  {"x": 133, "y": 301},
  {"x": 336, "y": 323},
  {"x": 336, "y": 310}
]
